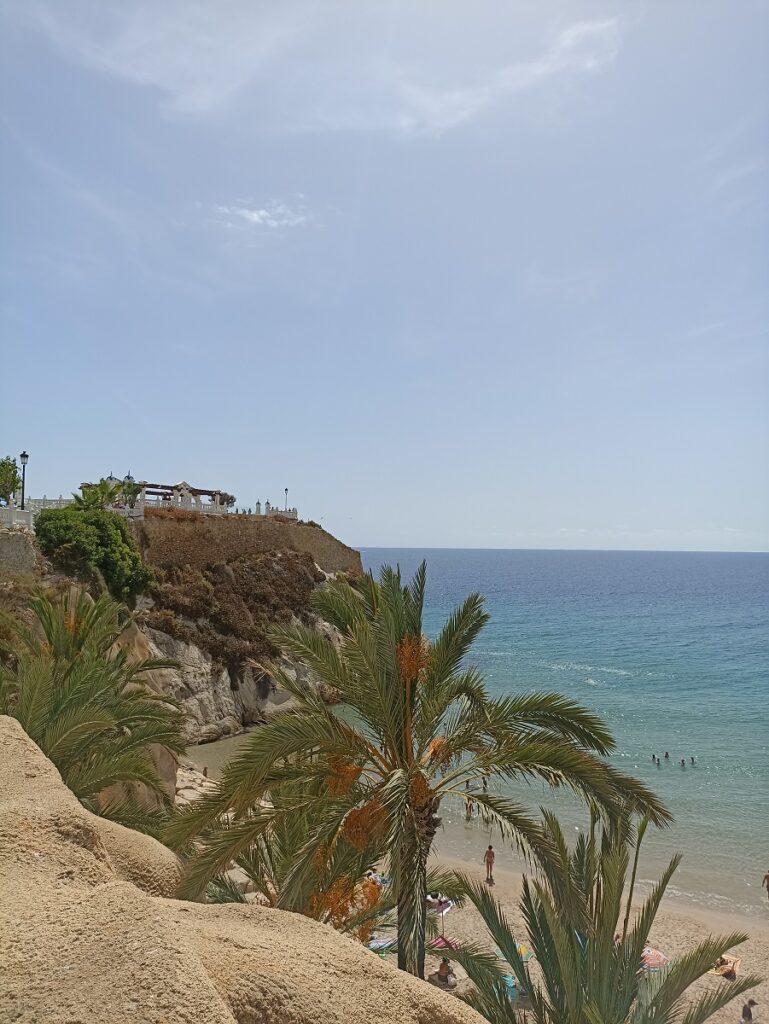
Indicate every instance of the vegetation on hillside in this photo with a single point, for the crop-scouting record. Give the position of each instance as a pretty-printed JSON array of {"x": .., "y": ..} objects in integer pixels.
[
  {"x": 228, "y": 610},
  {"x": 589, "y": 953},
  {"x": 92, "y": 542},
  {"x": 421, "y": 725},
  {"x": 86, "y": 707}
]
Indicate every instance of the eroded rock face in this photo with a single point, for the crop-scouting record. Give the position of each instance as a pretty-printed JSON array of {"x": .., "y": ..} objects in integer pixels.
[
  {"x": 215, "y": 704},
  {"x": 83, "y": 940}
]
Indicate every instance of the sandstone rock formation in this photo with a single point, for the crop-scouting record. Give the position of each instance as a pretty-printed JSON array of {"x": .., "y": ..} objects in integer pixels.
[{"x": 83, "y": 941}]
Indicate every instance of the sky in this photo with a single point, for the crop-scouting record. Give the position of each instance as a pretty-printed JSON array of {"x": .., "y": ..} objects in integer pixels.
[{"x": 457, "y": 275}]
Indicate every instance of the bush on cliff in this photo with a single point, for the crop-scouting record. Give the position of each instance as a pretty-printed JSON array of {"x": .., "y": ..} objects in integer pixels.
[
  {"x": 93, "y": 540},
  {"x": 86, "y": 707},
  {"x": 228, "y": 609}
]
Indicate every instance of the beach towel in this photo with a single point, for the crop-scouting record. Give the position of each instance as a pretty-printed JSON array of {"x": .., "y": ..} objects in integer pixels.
[{"x": 653, "y": 960}]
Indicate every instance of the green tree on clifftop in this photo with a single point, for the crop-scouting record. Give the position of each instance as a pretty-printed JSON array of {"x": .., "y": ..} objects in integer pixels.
[
  {"x": 88, "y": 541},
  {"x": 10, "y": 478}
]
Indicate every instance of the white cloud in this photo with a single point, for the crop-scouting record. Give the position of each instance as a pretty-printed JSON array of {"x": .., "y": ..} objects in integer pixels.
[
  {"x": 310, "y": 66},
  {"x": 736, "y": 173},
  {"x": 582, "y": 48},
  {"x": 196, "y": 53},
  {"x": 274, "y": 214}
]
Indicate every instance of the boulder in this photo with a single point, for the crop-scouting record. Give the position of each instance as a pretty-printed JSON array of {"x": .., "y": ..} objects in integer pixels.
[{"x": 85, "y": 939}]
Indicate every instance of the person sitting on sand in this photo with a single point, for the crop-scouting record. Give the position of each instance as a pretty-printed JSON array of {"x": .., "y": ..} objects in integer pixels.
[
  {"x": 724, "y": 966},
  {"x": 445, "y": 974}
]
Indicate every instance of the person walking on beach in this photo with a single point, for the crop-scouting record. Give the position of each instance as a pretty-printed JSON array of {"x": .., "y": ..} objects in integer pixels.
[
  {"x": 747, "y": 1011},
  {"x": 488, "y": 860}
]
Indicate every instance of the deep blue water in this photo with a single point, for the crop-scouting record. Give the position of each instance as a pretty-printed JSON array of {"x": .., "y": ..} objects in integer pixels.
[{"x": 672, "y": 649}]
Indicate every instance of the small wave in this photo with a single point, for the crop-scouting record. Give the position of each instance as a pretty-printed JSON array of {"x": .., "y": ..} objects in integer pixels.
[
  {"x": 592, "y": 682},
  {"x": 575, "y": 666}
]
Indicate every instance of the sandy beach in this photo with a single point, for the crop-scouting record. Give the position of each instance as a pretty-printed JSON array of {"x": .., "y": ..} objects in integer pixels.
[{"x": 676, "y": 930}]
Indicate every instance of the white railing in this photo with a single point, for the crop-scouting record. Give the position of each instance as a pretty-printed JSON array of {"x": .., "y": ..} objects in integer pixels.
[
  {"x": 12, "y": 516},
  {"x": 36, "y": 504},
  {"x": 183, "y": 502}
]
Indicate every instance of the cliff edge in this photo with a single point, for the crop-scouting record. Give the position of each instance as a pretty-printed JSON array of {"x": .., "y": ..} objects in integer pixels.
[{"x": 87, "y": 933}]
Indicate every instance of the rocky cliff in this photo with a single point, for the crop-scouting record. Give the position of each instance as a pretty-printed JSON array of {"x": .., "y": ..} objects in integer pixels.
[
  {"x": 214, "y": 621},
  {"x": 219, "y": 587},
  {"x": 89, "y": 935}
]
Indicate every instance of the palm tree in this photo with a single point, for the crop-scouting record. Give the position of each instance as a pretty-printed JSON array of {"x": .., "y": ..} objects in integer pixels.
[
  {"x": 101, "y": 495},
  {"x": 590, "y": 966},
  {"x": 340, "y": 892},
  {"x": 76, "y": 695},
  {"x": 417, "y": 725}
]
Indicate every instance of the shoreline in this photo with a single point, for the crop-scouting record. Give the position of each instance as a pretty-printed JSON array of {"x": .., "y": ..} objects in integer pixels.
[{"x": 717, "y": 921}]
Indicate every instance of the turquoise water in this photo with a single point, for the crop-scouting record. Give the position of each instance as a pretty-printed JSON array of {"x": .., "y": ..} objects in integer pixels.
[{"x": 672, "y": 649}]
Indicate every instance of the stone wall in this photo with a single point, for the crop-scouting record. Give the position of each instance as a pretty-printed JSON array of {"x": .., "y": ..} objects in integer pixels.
[
  {"x": 17, "y": 551},
  {"x": 208, "y": 541}
]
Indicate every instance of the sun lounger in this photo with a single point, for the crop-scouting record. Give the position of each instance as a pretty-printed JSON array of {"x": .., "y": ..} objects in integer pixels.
[{"x": 445, "y": 942}]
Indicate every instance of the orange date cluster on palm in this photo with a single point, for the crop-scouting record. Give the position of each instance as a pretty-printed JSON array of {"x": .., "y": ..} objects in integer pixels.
[
  {"x": 343, "y": 775},
  {"x": 364, "y": 824},
  {"x": 413, "y": 654}
]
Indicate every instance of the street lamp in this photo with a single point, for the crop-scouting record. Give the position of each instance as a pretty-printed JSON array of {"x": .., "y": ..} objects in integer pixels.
[
  {"x": 24, "y": 458},
  {"x": 287, "y": 499}
]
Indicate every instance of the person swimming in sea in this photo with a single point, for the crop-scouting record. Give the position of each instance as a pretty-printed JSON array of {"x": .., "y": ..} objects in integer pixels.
[
  {"x": 683, "y": 763},
  {"x": 667, "y": 756},
  {"x": 692, "y": 760}
]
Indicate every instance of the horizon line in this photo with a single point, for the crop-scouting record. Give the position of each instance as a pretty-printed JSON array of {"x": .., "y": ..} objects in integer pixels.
[{"x": 616, "y": 551}]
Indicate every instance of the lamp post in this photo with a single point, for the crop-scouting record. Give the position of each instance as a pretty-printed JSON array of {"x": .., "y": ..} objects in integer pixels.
[
  {"x": 24, "y": 459},
  {"x": 287, "y": 499}
]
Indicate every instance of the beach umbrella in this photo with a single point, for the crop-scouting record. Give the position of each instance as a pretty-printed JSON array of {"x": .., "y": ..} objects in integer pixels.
[{"x": 652, "y": 959}]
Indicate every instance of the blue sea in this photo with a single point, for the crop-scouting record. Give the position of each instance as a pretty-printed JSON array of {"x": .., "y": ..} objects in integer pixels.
[{"x": 672, "y": 650}]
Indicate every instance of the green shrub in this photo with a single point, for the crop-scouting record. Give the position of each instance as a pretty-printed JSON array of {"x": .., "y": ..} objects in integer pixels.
[{"x": 94, "y": 540}]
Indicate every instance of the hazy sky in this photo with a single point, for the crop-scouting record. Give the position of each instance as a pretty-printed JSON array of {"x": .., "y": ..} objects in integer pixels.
[{"x": 482, "y": 274}]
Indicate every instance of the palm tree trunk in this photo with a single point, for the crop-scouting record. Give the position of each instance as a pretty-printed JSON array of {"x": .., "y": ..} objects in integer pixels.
[{"x": 412, "y": 894}]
